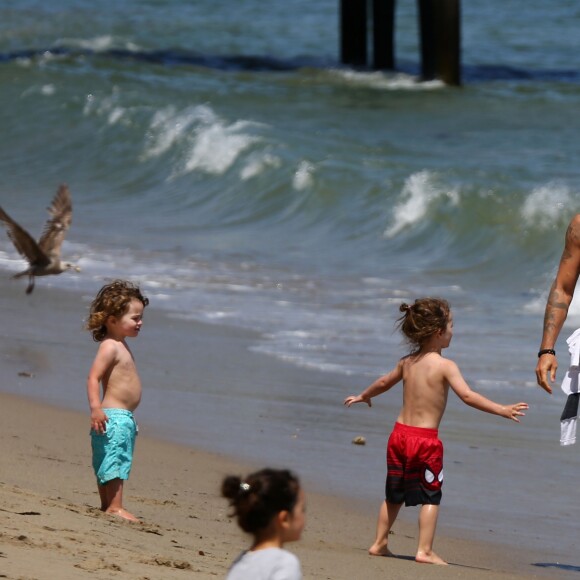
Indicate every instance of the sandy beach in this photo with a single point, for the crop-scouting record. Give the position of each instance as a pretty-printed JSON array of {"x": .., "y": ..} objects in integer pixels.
[{"x": 50, "y": 526}]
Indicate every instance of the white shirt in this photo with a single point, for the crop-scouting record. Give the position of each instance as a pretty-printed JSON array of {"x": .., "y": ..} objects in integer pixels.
[{"x": 267, "y": 564}]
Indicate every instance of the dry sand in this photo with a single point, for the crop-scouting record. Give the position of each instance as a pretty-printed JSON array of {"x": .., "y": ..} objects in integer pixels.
[{"x": 50, "y": 527}]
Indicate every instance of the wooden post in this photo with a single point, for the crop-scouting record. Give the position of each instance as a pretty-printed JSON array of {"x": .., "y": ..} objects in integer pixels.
[
  {"x": 449, "y": 50},
  {"x": 353, "y": 32},
  {"x": 384, "y": 34},
  {"x": 427, "y": 39},
  {"x": 440, "y": 39}
]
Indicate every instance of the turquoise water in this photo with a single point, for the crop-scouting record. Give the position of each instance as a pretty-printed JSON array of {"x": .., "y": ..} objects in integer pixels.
[{"x": 227, "y": 161}]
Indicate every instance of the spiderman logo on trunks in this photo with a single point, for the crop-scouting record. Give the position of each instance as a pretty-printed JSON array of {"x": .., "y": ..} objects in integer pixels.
[{"x": 432, "y": 480}]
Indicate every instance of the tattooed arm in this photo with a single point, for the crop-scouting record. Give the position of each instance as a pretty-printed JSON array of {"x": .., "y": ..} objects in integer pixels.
[{"x": 559, "y": 300}]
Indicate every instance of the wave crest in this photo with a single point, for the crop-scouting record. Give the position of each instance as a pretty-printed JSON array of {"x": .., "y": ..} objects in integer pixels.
[
  {"x": 419, "y": 193},
  {"x": 547, "y": 205}
]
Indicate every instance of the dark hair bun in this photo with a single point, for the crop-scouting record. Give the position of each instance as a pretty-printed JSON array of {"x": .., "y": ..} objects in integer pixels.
[
  {"x": 257, "y": 499},
  {"x": 231, "y": 486}
]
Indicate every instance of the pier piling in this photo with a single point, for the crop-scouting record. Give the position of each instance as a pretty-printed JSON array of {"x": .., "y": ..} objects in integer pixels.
[
  {"x": 353, "y": 32},
  {"x": 439, "y": 33},
  {"x": 440, "y": 39},
  {"x": 383, "y": 34}
]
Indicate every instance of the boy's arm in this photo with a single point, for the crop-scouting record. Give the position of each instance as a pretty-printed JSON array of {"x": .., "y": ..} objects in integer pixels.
[
  {"x": 103, "y": 361},
  {"x": 457, "y": 383},
  {"x": 381, "y": 385}
]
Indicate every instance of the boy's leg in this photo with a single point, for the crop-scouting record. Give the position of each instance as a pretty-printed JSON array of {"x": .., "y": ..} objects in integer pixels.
[
  {"x": 387, "y": 515},
  {"x": 427, "y": 524},
  {"x": 114, "y": 495},
  {"x": 103, "y": 496}
]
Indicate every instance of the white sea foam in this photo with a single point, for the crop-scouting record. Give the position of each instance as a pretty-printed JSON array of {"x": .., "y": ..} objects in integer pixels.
[
  {"x": 419, "y": 193},
  {"x": 202, "y": 140},
  {"x": 107, "y": 106},
  {"x": 386, "y": 81},
  {"x": 115, "y": 115},
  {"x": 169, "y": 127},
  {"x": 259, "y": 163},
  {"x": 547, "y": 205},
  {"x": 100, "y": 43},
  {"x": 216, "y": 147},
  {"x": 303, "y": 177}
]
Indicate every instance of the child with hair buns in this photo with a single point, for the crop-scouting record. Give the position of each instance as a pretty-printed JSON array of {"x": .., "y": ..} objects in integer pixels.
[
  {"x": 269, "y": 505},
  {"x": 414, "y": 451}
]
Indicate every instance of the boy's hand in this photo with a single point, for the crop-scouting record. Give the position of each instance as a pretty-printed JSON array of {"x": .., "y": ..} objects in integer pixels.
[
  {"x": 99, "y": 421},
  {"x": 514, "y": 411},
  {"x": 357, "y": 399}
]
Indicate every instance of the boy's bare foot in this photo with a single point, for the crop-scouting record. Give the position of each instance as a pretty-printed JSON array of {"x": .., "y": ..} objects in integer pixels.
[
  {"x": 431, "y": 558},
  {"x": 123, "y": 513},
  {"x": 381, "y": 550}
]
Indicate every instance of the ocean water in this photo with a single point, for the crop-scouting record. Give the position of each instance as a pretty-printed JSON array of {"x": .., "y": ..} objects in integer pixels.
[{"x": 226, "y": 161}]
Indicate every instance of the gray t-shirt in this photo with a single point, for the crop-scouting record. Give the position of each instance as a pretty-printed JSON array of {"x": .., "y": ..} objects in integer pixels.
[{"x": 267, "y": 564}]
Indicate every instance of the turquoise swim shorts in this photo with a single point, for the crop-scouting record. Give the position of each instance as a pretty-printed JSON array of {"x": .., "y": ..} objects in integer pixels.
[{"x": 113, "y": 449}]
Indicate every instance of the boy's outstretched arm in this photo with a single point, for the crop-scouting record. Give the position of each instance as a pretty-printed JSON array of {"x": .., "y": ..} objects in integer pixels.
[
  {"x": 477, "y": 401},
  {"x": 381, "y": 385}
]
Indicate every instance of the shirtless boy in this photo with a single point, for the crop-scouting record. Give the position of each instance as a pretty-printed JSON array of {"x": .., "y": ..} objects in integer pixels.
[
  {"x": 414, "y": 451},
  {"x": 115, "y": 315}
]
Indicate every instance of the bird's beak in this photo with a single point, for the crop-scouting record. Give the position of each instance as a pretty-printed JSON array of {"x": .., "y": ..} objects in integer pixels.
[{"x": 77, "y": 269}]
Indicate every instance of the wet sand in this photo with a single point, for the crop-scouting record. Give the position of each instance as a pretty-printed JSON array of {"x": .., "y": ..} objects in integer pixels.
[{"x": 50, "y": 526}]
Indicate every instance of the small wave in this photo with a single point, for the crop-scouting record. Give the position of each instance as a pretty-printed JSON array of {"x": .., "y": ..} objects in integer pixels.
[
  {"x": 257, "y": 164},
  {"x": 216, "y": 147},
  {"x": 204, "y": 142},
  {"x": 303, "y": 177},
  {"x": 385, "y": 81},
  {"x": 547, "y": 205},
  {"x": 45, "y": 90},
  {"x": 98, "y": 44},
  {"x": 419, "y": 193},
  {"x": 106, "y": 107},
  {"x": 169, "y": 127}
]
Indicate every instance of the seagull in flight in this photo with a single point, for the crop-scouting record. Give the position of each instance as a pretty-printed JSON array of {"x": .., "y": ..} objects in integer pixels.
[{"x": 43, "y": 256}]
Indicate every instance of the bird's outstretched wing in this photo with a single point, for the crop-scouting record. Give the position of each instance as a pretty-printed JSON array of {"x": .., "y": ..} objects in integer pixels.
[
  {"x": 23, "y": 241},
  {"x": 55, "y": 229}
]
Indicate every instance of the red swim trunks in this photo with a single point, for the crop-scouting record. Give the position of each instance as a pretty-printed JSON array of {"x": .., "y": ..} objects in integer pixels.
[{"x": 414, "y": 466}]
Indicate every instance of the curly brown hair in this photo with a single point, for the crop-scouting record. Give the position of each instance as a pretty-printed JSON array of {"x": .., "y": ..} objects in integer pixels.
[
  {"x": 112, "y": 300},
  {"x": 422, "y": 319}
]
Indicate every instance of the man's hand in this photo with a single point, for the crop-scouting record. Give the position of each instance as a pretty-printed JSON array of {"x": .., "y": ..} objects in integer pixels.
[{"x": 546, "y": 368}]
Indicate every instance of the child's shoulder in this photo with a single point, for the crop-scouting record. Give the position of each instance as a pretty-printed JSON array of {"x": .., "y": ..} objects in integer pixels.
[
  {"x": 433, "y": 360},
  {"x": 448, "y": 364},
  {"x": 108, "y": 346}
]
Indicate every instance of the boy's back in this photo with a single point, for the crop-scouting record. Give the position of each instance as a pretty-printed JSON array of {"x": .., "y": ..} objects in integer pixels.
[{"x": 425, "y": 390}]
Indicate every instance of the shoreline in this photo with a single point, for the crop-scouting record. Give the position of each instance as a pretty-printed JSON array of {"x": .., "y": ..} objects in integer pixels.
[{"x": 50, "y": 517}]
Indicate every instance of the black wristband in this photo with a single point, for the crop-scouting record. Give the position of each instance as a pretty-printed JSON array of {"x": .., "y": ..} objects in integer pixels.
[{"x": 547, "y": 351}]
